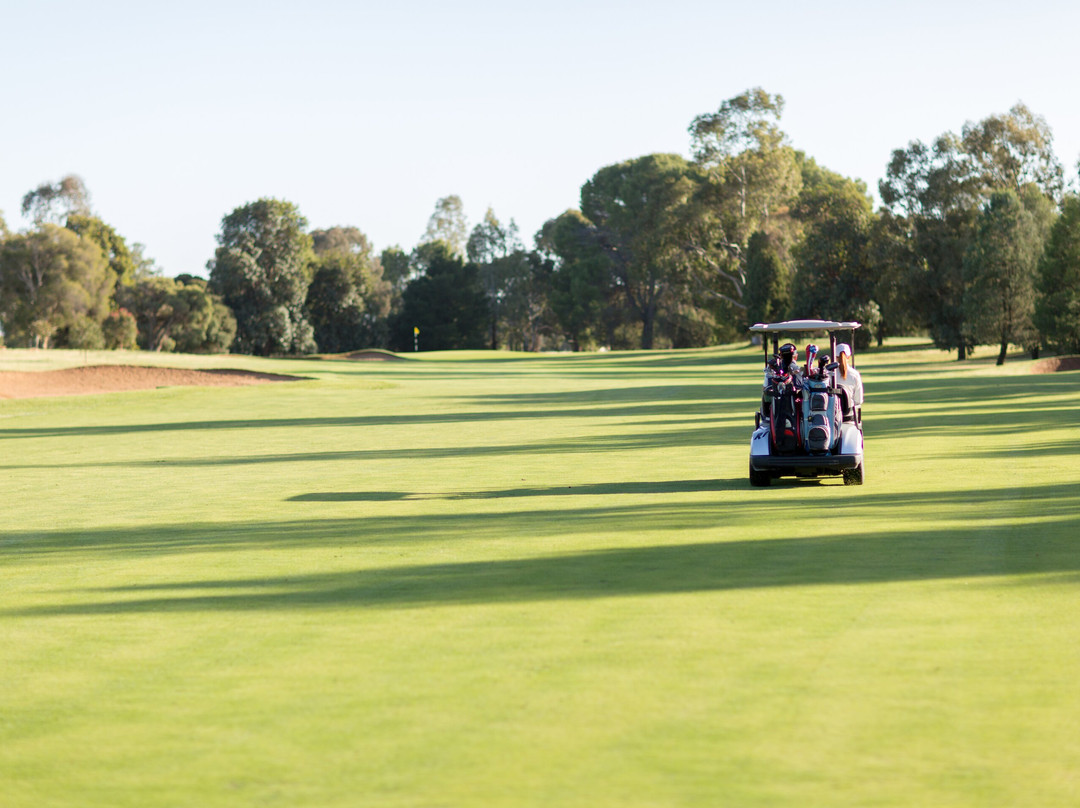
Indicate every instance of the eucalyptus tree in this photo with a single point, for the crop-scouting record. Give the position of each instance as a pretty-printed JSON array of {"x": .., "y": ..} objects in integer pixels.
[
  {"x": 492, "y": 247},
  {"x": 834, "y": 279},
  {"x": 55, "y": 286},
  {"x": 580, "y": 286},
  {"x": 768, "y": 280},
  {"x": 178, "y": 314},
  {"x": 348, "y": 301},
  {"x": 262, "y": 270},
  {"x": 123, "y": 260},
  {"x": 935, "y": 192},
  {"x": 750, "y": 175},
  {"x": 636, "y": 212},
  {"x": 446, "y": 304},
  {"x": 55, "y": 201},
  {"x": 999, "y": 274},
  {"x": 1057, "y": 310},
  {"x": 448, "y": 224}
]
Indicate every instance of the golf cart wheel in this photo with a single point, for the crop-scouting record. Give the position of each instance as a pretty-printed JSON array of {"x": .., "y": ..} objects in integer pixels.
[
  {"x": 854, "y": 476},
  {"x": 759, "y": 479}
]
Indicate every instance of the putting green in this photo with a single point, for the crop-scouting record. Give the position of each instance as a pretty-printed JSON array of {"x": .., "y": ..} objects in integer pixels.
[{"x": 510, "y": 580}]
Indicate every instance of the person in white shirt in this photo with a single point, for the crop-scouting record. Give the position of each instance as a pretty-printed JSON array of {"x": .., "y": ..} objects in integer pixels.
[{"x": 848, "y": 377}]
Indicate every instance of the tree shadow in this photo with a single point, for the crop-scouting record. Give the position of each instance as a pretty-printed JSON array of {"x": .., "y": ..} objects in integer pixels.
[
  {"x": 939, "y": 534},
  {"x": 847, "y": 559},
  {"x": 592, "y": 489}
]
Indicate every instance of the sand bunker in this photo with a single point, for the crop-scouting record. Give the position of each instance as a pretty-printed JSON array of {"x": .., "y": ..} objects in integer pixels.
[
  {"x": 116, "y": 378},
  {"x": 1056, "y": 364}
]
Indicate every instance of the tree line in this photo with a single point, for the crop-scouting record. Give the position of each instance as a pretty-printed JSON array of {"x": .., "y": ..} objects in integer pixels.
[{"x": 976, "y": 242}]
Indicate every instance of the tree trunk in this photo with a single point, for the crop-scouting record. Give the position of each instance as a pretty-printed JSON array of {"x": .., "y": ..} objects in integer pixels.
[
  {"x": 1003, "y": 351},
  {"x": 647, "y": 319}
]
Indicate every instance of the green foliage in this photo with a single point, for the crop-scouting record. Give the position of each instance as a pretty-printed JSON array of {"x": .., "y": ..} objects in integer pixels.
[
  {"x": 1014, "y": 150},
  {"x": 120, "y": 331},
  {"x": 999, "y": 274},
  {"x": 750, "y": 178},
  {"x": 1057, "y": 311},
  {"x": 938, "y": 190},
  {"x": 123, "y": 261},
  {"x": 348, "y": 301},
  {"x": 447, "y": 303},
  {"x": 524, "y": 311},
  {"x": 768, "y": 281},
  {"x": 580, "y": 286},
  {"x": 84, "y": 333},
  {"x": 178, "y": 314},
  {"x": 207, "y": 325},
  {"x": 52, "y": 281},
  {"x": 55, "y": 202},
  {"x": 448, "y": 224},
  {"x": 636, "y": 213},
  {"x": 262, "y": 270},
  {"x": 397, "y": 269},
  {"x": 834, "y": 278},
  {"x": 497, "y": 251}
]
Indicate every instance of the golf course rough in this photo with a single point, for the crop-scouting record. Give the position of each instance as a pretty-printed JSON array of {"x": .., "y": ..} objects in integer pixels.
[{"x": 478, "y": 579}]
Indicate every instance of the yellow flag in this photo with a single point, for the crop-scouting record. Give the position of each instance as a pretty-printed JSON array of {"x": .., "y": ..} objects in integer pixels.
[{"x": 415, "y": 331}]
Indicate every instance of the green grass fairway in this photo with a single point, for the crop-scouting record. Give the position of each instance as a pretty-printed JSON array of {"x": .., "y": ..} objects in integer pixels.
[{"x": 506, "y": 580}]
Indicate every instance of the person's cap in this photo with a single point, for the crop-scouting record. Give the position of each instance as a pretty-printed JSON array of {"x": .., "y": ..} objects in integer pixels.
[{"x": 843, "y": 348}]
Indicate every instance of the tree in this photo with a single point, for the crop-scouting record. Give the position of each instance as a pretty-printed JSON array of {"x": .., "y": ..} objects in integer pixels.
[
  {"x": 397, "y": 269},
  {"x": 1057, "y": 310},
  {"x": 1014, "y": 150},
  {"x": 446, "y": 303},
  {"x": 178, "y": 314},
  {"x": 580, "y": 285},
  {"x": 209, "y": 327},
  {"x": 52, "y": 284},
  {"x": 123, "y": 261},
  {"x": 931, "y": 189},
  {"x": 120, "y": 331},
  {"x": 524, "y": 311},
  {"x": 635, "y": 211},
  {"x": 55, "y": 202},
  {"x": 999, "y": 270},
  {"x": 935, "y": 194},
  {"x": 768, "y": 281},
  {"x": 448, "y": 224},
  {"x": 348, "y": 301},
  {"x": 833, "y": 279},
  {"x": 490, "y": 245},
  {"x": 262, "y": 272},
  {"x": 751, "y": 175}
]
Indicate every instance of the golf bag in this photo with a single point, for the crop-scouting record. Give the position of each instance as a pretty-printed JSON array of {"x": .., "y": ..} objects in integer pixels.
[
  {"x": 820, "y": 416},
  {"x": 784, "y": 424}
]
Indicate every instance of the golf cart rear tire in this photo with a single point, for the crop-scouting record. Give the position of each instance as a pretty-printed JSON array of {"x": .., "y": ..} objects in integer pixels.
[
  {"x": 854, "y": 476},
  {"x": 759, "y": 479}
]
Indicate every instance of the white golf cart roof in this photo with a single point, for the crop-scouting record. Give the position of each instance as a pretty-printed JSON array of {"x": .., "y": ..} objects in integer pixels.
[{"x": 804, "y": 325}]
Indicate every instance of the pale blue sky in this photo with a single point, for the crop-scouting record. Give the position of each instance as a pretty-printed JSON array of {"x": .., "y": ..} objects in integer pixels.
[{"x": 365, "y": 114}]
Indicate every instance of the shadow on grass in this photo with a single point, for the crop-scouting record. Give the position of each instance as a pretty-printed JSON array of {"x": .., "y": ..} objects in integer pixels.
[
  {"x": 847, "y": 559},
  {"x": 593, "y": 489},
  {"x": 935, "y": 536}
]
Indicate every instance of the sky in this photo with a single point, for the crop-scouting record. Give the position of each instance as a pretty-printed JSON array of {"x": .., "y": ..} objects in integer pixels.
[{"x": 365, "y": 114}]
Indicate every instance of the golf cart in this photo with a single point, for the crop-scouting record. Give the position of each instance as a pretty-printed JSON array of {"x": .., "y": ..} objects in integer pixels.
[{"x": 807, "y": 426}]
